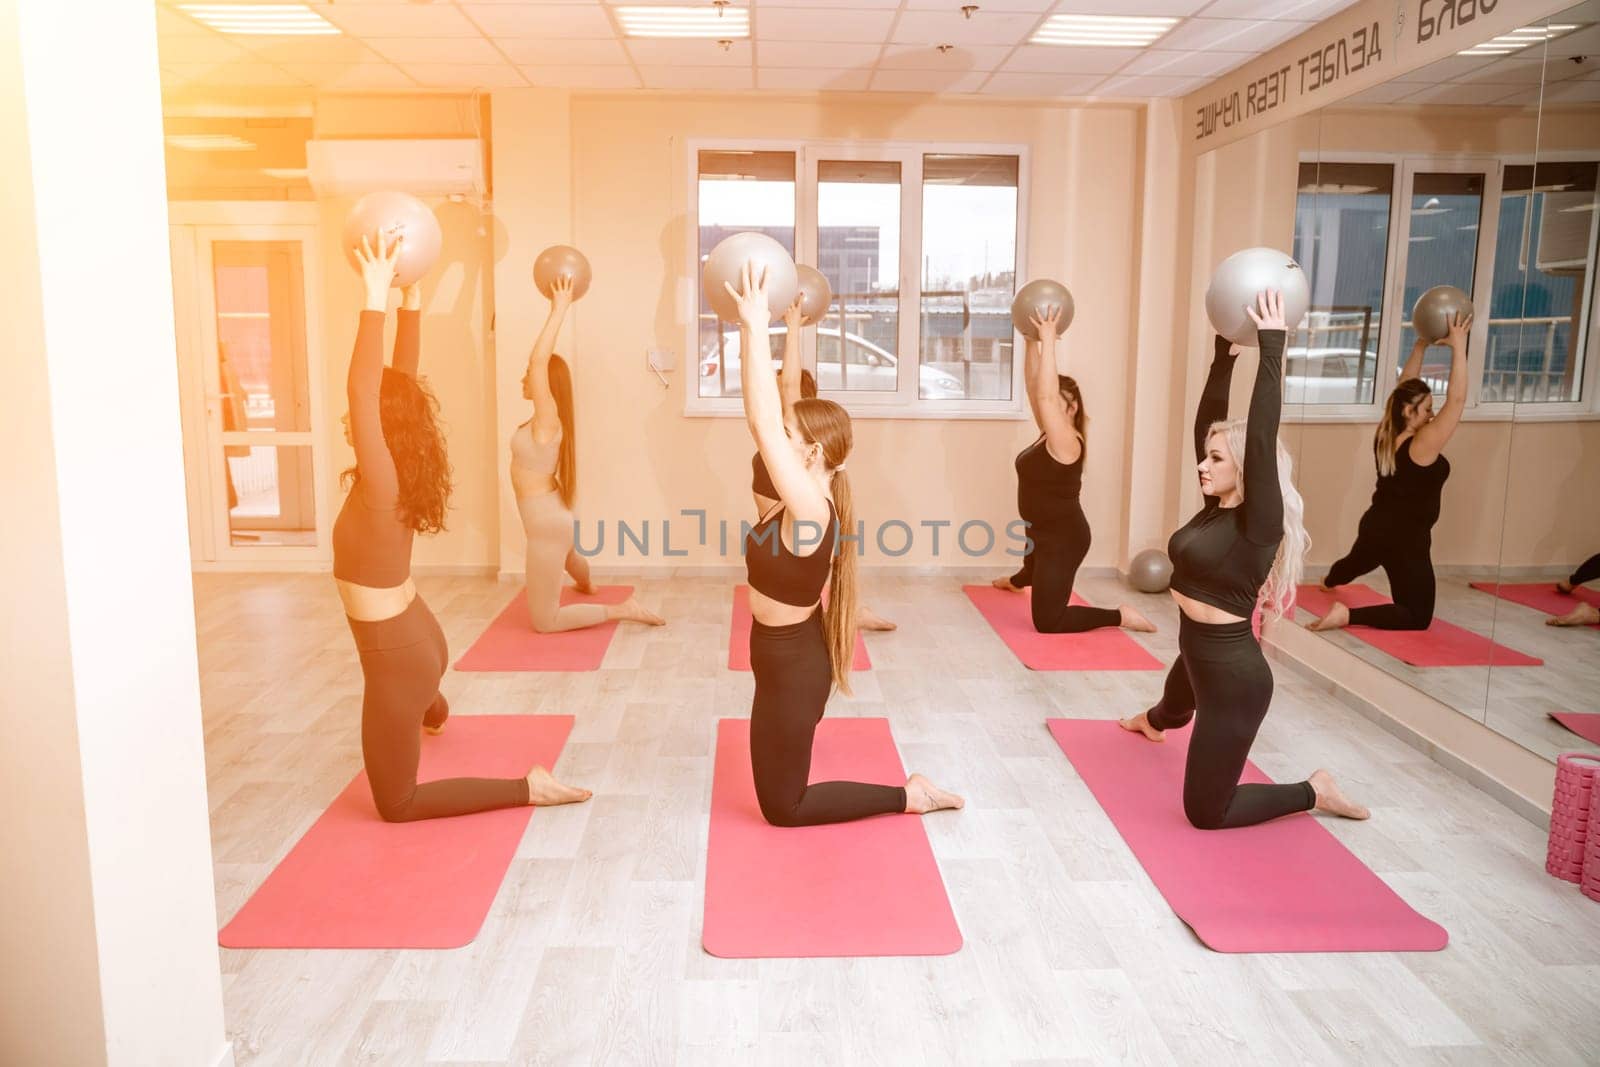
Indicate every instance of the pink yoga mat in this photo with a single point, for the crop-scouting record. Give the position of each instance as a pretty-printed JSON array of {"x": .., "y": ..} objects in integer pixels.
[
  {"x": 1010, "y": 617},
  {"x": 1442, "y": 644},
  {"x": 739, "y": 636},
  {"x": 866, "y": 888},
  {"x": 511, "y": 644},
  {"x": 1585, "y": 725},
  {"x": 1541, "y": 596},
  {"x": 1283, "y": 886},
  {"x": 355, "y": 881}
]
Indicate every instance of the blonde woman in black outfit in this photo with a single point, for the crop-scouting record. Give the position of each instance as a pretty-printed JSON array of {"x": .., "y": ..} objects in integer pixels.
[{"x": 1245, "y": 548}]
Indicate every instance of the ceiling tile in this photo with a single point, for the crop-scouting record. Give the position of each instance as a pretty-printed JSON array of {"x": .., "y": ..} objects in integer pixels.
[
  {"x": 988, "y": 6},
  {"x": 540, "y": 20},
  {"x": 210, "y": 48},
  {"x": 690, "y": 53},
  {"x": 172, "y": 24},
  {"x": 1137, "y": 7},
  {"x": 1147, "y": 85},
  {"x": 1512, "y": 70},
  {"x": 1575, "y": 91},
  {"x": 949, "y": 27},
  {"x": 352, "y": 76},
  {"x": 465, "y": 75},
  {"x": 926, "y": 81},
  {"x": 1051, "y": 59},
  {"x": 1236, "y": 35},
  {"x": 813, "y": 79},
  {"x": 806, "y": 54},
  {"x": 1041, "y": 84},
  {"x": 582, "y": 77},
  {"x": 562, "y": 53},
  {"x": 1451, "y": 94},
  {"x": 766, "y": 7},
  {"x": 1585, "y": 42},
  {"x": 926, "y": 57},
  {"x": 333, "y": 49},
  {"x": 1267, "y": 10},
  {"x": 232, "y": 74},
  {"x": 810, "y": 24},
  {"x": 1182, "y": 64},
  {"x": 1443, "y": 70},
  {"x": 697, "y": 77},
  {"x": 435, "y": 49},
  {"x": 390, "y": 20}
]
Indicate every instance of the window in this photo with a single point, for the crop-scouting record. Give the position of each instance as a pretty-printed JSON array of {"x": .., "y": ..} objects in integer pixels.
[
  {"x": 920, "y": 246},
  {"x": 1543, "y": 284},
  {"x": 1441, "y": 249}
]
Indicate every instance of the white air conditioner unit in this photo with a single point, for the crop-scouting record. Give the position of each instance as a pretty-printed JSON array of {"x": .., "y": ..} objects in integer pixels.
[{"x": 436, "y": 167}]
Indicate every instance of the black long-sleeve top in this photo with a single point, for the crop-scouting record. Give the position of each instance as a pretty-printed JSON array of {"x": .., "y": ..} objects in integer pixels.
[{"x": 1222, "y": 556}]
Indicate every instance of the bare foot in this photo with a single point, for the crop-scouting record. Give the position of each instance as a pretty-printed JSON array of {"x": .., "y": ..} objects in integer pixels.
[
  {"x": 1005, "y": 583},
  {"x": 1330, "y": 800},
  {"x": 586, "y": 587},
  {"x": 545, "y": 792},
  {"x": 922, "y": 796},
  {"x": 1140, "y": 724},
  {"x": 631, "y": 610},
  {"x": 1337, "y": 618},
  {"x": 867, "y": 619},
  {"x": 436, "y": 716},
  {"x": 1582, "y": 615},
  {"x": 1324, "y": 586},
  {"x": 1564, "y": 586},
  {"x": 1132, "y": 619}
]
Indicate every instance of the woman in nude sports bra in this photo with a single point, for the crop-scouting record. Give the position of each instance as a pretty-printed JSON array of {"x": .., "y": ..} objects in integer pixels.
[
  {"x": 798, "y": 652},
  {"x": 400, "y": 487},
  {"x": 544, "y": 477}
]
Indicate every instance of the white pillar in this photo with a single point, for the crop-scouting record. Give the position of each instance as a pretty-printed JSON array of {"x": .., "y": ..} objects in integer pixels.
[{"x": 108, "y": 927}]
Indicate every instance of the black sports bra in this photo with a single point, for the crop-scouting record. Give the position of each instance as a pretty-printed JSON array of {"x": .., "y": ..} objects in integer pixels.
[
  {"x": 776, "y": 572},
  {"x": 760, "y": 479}
]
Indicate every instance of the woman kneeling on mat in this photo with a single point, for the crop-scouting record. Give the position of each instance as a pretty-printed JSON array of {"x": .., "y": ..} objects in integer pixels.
[
  {"x": 1396, "y": 533},
  {"x": 544, "y": 477},
  {"x": 1049, "y": 479},
  {"x": 401, "y": 485},
  {"x": 1245, "y": 548},
  {"x": 798, "y": 652},
  {"x": 795, "y": 384},
  {"x": 1584, "y": 614}
]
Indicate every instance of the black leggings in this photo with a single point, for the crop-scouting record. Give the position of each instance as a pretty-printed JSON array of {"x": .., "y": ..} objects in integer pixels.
[
  {"x": 1221, "y": 673},
  {"x": 793, "y": 677},
  {"x": 1587, "y": 571},
  {"x": 1051, "y": 566},
  {"x": 1404, "y": 556},
  {"x": 402, "y": 660}
]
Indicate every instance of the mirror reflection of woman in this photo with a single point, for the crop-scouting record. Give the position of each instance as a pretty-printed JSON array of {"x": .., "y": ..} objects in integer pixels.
[
  {"x": 1049, "y": 478},
  {"x": 1244, "y": 550},
  {"x": 400, "y": 487},
  {"x": 796, "y": 384},
  {"x": 544, "y": 478},
  {"x": 1582, "y": 614},
  {"x": 799, "y": 651},
  {"x": 1396, "y": 532}
]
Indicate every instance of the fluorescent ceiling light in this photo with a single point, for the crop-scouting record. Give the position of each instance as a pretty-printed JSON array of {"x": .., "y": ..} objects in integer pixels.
[
  {"x": 1517, "y": 40},
  {"x": 278, "y": 20},
  {"x": 1102, "y": 31},
  {"x": 718, "y": 24},
  {"x": 209, "y": 142},
  {"x": 284, "y": 173}
]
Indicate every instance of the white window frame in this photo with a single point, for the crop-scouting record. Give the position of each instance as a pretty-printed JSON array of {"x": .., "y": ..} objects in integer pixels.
[
  {"x": 905, "y": 402},
  {"x": 1393, "y": 317}
]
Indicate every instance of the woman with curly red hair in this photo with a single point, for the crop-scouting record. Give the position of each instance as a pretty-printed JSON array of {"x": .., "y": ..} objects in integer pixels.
[{"x": 399, "y": 487}]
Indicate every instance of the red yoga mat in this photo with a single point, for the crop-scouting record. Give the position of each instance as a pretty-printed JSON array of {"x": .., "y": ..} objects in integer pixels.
[
  {"x": 1442, "y": 644},
  {"x": 1282, "y": 886},
  {"x": 1542, "y": 596},
  {"x": 1009, "y": 615},
  {"x": 511, "y": 643},
  {"x": 866, "y": 888},
  {"x": 739, "y": 636},
  {"x": 1585, "y": 725},
  {"x": 355, "y": 881}
]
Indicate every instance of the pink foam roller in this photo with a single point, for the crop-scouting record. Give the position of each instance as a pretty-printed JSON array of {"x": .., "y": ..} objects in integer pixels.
[
  {"x": 1573, "y": 832},
  {"x": 1589, "y": 877}
]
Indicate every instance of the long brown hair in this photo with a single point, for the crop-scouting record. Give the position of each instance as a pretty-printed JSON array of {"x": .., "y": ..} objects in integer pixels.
[
  {"x": 1080, "y": 419},
  {"x": 1393, "y": 424},
  {"x": 567, "y": 462},
  {"x": 408, "y": 413},
  {"x": 808, "y": 385},
  {"x": 827, "y": 424}
]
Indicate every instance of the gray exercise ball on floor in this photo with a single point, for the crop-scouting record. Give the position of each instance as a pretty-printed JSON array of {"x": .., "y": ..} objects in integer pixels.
[
  {"x": 1150, "y": 571},
  {"x": 1436, "y": 309},
  {"x": 1033, "y": 299},
  {"x": 1240, "y": 278}
]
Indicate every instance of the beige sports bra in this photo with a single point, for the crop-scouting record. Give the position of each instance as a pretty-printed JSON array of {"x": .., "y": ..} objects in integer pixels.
[{"x": 530, "y": 455}]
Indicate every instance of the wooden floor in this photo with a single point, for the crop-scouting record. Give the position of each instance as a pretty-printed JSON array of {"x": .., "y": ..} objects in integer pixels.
[{"x": 591, "y": 953}]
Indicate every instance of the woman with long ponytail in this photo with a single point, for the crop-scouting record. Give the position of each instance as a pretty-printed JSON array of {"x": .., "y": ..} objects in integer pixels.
[
  {"x": 544, "y": 477},
  {"x": 1244, "y": 551},
  {"x": 1049, "y": 479},
  {"x": 798, "y": 652},
  {"x": 1396, "y": 532}
]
